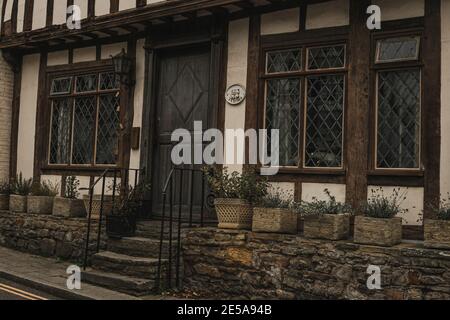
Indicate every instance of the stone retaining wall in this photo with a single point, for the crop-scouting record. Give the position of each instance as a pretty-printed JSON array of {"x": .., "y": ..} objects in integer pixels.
[
  {"x": 240, "y": 264},
  {"x": 47, "y": 235}
]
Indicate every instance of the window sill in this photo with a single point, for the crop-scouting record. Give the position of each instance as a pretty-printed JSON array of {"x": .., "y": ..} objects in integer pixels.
[
  {"x": 396, "y": 173},
  {"x": 75, "y": 170},
  {"x": 312, "y": 172}
]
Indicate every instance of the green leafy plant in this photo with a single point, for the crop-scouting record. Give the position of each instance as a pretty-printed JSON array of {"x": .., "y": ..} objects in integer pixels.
[
  {"x": 21, "y": 186},
  {"x": 44, "y": 189},
  {"x": 275, "y": 200},
  {"x": 246, "y": 186},
  {"x": 321, "y": 207},
  {"x": 382, "y": 206},
  {"x": 132, "y": 200},
  {"x": 443, "y": 211},
  {"x": 72, "y": 185},
  {"x": 5, "y": 188}
]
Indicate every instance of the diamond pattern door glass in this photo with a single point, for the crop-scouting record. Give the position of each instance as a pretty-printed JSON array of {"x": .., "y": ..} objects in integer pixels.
[
  {"x": 324, "y": 121},
  {"x": 398, "y": 137},
  {"x": 283, "y": 113},
  {"x": 107, "y": 132},
  {"x": 86, "y": 83},
  {"x": 398, "y": 49},
  {"x": 83, "y": 130},
  {"x": 60, "y": 132},
  {"x": 326, "y": 57},
  {"x": 284, "y": 61},
  {"x": 61, "y": 86}
]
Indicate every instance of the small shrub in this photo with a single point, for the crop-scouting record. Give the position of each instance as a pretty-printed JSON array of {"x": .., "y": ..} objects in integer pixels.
[
  {"x": 5, "y": 188},
  {"x": 72, "y": 185},
  {"x": 443, "y": 212},
  {"x": 131, "y": 203},
  {"x": 44, "y": 189},
  {"x": 21, "y": 186},
  {"x": 385, "y": 207},
  {"x": 321, "y": 207},
  {"x": 275, "y": 200}
]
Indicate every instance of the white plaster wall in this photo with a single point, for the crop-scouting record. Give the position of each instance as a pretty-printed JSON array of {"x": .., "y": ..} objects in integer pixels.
[
  {"x": 236, "y": 74},
  {"x": 316, "y": 190},
  {"x": 27, "y": 115},
  {"x": 8, "y": 10},
  {"x": 60, "y": 11},
  {"x": 445, "y": 99},
  {"x": 39, "y": 14},
  {"x": 20, "y": 15},
  {"x": 84, "y": 54},
  {"x": 102, "y": 7},
  {"x": 126, "y": 4},
  {"x": 394, "y": 9},
  {"x": 83, "y": 4},
  {"x": 112, "y": 49},
  {"x": 6, "y": 96},
  {"x": 286, "y": 189},
  {"x": 84, "y": 183},
  {"x": 58, "y": 58},
  {"x": 328, "y": 14},
  {"x": 280, "y": 21},
  {"x": 413, "y": 203}
]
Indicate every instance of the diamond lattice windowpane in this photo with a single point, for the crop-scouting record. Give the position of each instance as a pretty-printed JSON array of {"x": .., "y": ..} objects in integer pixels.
[
  {"x": 284, "y": 61},
  {"x": 326, "y": 57},
  {"x": 398, "y": 143},
  {"x": 86, "y": 83},
  {"x": 324, "y": 121},
  {"x": 398, "y": 49},
  {"x": 107, "y": 132},
  {"x": 283, "y": 113},
  {"x": 108, "y": 81},
  {"x": 61, "y": 86},
  {"x": 60, "y": 132},
  {"x": 83, "y": 130}
]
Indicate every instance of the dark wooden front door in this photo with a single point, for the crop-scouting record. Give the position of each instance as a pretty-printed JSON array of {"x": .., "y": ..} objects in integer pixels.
[{"x": 182, "y": 97}]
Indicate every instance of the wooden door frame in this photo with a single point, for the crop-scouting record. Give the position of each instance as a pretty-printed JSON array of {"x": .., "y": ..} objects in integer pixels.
[{"x": 216, "y": 37}]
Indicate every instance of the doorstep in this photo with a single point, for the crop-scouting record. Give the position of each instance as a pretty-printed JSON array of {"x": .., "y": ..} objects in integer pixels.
[{"x": 49, "y": 275}]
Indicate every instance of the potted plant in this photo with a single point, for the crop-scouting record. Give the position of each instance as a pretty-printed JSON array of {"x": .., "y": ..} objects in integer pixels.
[
  {"x": 379, "y": 224},
  {"x": 5, "y": 190},
  {"x": 235, "y": 195},
  {"x": 121, "y": 221},
  {"x": 437, "y": 230},
  {"x": 20, "y": 189},
  {"x": 40, "y": 201},
  {"x": 69, "y": 205},
  {"x": 274, "y": 214},
  {"x": 326, "y": 219}
]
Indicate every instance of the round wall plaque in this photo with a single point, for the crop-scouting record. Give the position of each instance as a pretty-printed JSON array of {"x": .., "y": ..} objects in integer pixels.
[{"x": 235, "y": 94}]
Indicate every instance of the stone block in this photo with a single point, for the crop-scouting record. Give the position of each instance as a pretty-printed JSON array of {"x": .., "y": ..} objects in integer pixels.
[
  {"x": 327, "y": 226},
  {"x": 70, "y": 208},
  {"x": 39, "y": 205},
  {"x": 274, "y": 221},
  {"x": 437, "y": 234},
  {"x": 18, "y": 203},
  {"x": 375, "y": 231}
]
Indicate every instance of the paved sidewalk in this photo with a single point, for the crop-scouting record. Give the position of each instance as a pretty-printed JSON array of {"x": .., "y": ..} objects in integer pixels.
[{"x": 49, "y": 275}]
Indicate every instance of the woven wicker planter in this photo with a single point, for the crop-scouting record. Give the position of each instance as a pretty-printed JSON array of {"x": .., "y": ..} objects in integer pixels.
[
  {"x": 96, "y": 204},
  {"x": 4, "y": 201},
  {"x": 272, "y": 220},
  {"x": 17, "y": 203},
  {"x": 40, "y": 204},
  {"x": 376, "y": 231},
  {"x": 437, "y": 234},
  {"x": 234, "y": 213},
  {"x": 327, "y": 227},
  {"x": 70, "y": 208}
]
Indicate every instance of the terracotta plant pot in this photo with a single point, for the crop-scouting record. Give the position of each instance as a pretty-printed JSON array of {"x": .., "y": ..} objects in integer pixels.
[
  {"x": 17, "y": 203},
  {"x": 4, "y": 202},
  {"x": 437, "y": 234},
  {"x": 234, "y": 213},
  {"x": 327, "y": 227},
  {"x": 272, "y": 220},
  {"x": 70, "y": 208},
  {"x": 40, "y": 204},
  {"x": 376, "y": 231}
]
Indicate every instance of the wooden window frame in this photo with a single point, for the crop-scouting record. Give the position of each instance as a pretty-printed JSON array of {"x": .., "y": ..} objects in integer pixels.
[
  {"x": 302, "y": 75},
  {"x": 73, "y": 71},
  {"x": 377, "y": 67}
]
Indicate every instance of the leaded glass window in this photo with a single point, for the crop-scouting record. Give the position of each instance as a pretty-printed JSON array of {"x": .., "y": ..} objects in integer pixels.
[
  {"x": 324, "y": 121},
  {"x": 84, "y": 120},
  {"x": 284, "y": 61},
  {"x": 331, "y": 57},
  {"x": 398, "y": 119},
  {"x": 398, "y": 49},
  {"x": 283, "y": 113}
]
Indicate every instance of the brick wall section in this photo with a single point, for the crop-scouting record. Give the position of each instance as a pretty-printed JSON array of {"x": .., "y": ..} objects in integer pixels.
[
  {"x": 239, "y": 264},
  {"x": 47, "y": 235},
  {"x": 6, "y": 95}
]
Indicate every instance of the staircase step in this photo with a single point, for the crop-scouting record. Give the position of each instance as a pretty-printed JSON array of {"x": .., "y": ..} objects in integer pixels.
[
  {"x": 126, "y": 284},
  {"x": 140, "y": 247},
  {"x": 113, "y": 262},
  {"x": 152, "y": 229}
]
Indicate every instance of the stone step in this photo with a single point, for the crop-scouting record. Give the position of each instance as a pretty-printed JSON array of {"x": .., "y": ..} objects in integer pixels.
[
  {"x": 140, "y": 267},
  {"x": 141, "y": 247},
  {"x": 152, "y": 230},
  {"x": 125, "y": 284}
]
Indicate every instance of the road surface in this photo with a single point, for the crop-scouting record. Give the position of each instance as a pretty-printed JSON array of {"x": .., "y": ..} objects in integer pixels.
[{"x": 10, "y": 290}]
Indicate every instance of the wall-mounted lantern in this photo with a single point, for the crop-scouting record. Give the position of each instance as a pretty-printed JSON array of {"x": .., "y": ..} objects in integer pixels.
[{"x": 122, "y": 67}]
